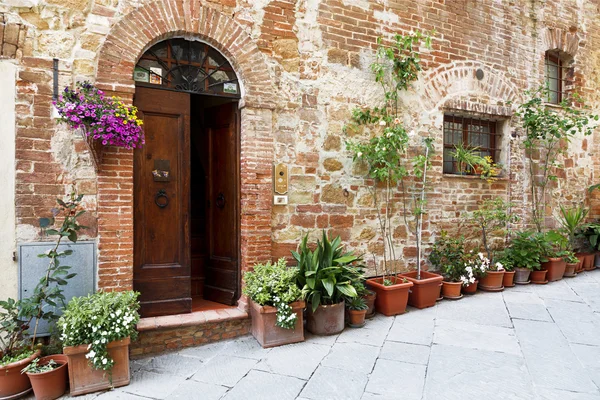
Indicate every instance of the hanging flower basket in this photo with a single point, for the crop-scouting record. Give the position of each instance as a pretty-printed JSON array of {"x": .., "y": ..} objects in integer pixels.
[{"x": 105, "y": 121}]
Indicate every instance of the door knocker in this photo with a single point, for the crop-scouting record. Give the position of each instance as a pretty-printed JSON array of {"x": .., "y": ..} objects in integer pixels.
[
  {"x": 220, "y": 203},
  {"x": 161, "y": 195}
]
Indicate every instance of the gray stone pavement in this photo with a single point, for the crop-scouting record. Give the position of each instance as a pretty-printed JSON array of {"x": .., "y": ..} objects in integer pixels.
[{"x": 528, "y": 342}]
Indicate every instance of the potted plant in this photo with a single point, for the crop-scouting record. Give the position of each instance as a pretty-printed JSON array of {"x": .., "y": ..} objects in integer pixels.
[
  {"x": 468, "y": 159},
  {"x": 369, "y": 296},
  {"x": 357, "y": 310},
  {"x": 591, "y": 231},
  {"x": 275, "y": 306},
  {"x": 96, "y": 330},
  {"x": 571, "y": 221},
  {"x": 492, "y": 217},
  {"x": 527, "y": 249},
  {"x": 504, "y": 258},
  {"x": 48, "y": 376},
  {"x": 325, "y": 277},
  {"x": 20, "y": 319},
  {"x": 571, "y": 264},
  {"x": 477, "y": 266},
  {"x": 556, "y": 263},
  {"x": 448, "y": 256}
]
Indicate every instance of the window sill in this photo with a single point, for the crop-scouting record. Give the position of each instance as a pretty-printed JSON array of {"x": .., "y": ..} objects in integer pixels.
[{"x": 502, "y": 178}]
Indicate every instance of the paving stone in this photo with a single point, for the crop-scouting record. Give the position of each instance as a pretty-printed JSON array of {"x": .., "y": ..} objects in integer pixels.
[
  {"x": 397, "y": 378},
  {"x": 246, "y": 347},
  {"x": 205, "y": 352},
  {"x": 365, "y": 335},
  {"x": 413, "y": 327},
  {"x": 265, "y": 386},
  {"x": 352, "y": 357},
  {"x": 550, "y": 360},
  {"x": 335, "y": 384},
  {"x": 192, "y": 390},
  {"x": 589, "y": 357},
  {"x": 405, "y": 352},
  {"x": 554, "y": 394},
  {"x": 380, "y": 321},
  {"x": 298, "y": 360},
  {"x": 483, "y": 308},
  {"x": 174, "y": 364},
  {"x": 153, "y": 385},
  {"x": 475, "y": 336},
  {"x": 588, "y": 292},
  {"x": 317, "y": 339},
  {"x": 577, "y": 321},
  {"x": 535, "y": 312},
  {"x": 376, "y": 396},
  {"x": 458, "y": 373},
  {"x": 114, "y": 395},
  {"x": 224, "y": 370},
  {"x": 559, "y": 290}
]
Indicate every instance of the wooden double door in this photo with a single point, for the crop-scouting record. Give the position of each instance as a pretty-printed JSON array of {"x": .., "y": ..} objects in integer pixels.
[{"x": 179, "y": 131}]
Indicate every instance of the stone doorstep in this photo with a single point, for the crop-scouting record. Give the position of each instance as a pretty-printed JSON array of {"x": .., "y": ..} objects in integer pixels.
[{"x": 191, "y": 319}]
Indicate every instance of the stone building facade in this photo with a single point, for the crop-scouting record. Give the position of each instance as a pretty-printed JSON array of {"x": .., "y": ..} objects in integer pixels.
[{"x": 302, "y": 65}]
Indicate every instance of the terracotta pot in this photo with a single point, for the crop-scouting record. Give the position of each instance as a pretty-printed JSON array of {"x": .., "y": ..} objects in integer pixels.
[
  {"x": 370, "y": 299},
  {"x": 570, "y": 270},
  {"x": 265, "y": 330},
  {"x": 588, "y": 263},
  {"x": 13, "y": 384},
  {"x": 451, "y": 290},
  {"x": 85, "y": 379},
  {"x": 581, "y": 264},
  {"x": 391, "y": 300},
  {"x": 597, "y": 259},
  {"x": 426, "y": 290},
  {"x": 52, "y": 384},
  {"x": 522, "y": 275},
  {"x": 555, "y": 267},
  {"x": 356, "y": 318},
  {"x": 327, "y": 320},
  {"x": 508, "y": 280},
  {"x": 538, "y": 277},
  {"x": 470, "y": 288},
  {"x": 492, "y": 281}
]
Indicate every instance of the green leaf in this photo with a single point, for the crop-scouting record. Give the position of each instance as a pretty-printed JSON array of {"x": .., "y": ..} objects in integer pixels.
[{"x": 328, "y": 284}]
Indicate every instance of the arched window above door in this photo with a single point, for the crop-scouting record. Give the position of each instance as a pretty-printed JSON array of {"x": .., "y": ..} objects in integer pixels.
[{"x": 187, "y": 66}]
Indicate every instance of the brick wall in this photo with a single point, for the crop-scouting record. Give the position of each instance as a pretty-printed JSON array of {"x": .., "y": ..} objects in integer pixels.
[{"x": 304, "y": 66}]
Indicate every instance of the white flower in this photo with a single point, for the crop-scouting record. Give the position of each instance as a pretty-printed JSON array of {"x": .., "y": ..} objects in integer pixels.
[
  {"x": 382, "y": 123},
  {"x": 119, "y": 312},
  {"x": 91, "y": 354},
  {"x": 104, "y": 361},
  {"x": 499, "y": 266},
  {"x": 359, "y": 154},
  {"x": 112, "y": 315},
  {"x": 118, "y": 330}
]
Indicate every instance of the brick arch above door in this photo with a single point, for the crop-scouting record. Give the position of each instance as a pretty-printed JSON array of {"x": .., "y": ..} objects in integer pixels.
[
  {"x": 127, "y": 41},
  {"x": 163, "y": 19}
]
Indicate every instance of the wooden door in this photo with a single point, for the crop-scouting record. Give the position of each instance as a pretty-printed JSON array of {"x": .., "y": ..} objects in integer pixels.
[
  {"x": 161, "y": 262},
  {"x": 222, "y": 272}
]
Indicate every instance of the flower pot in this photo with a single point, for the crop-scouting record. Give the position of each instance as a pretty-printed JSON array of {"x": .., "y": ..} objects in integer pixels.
[
  {"x": 508, "y": 280},
  {"x": 391, "y": 300},
  {"x": 356, "y": 318},
  {"x": 522, "y": 276},
  {"x": 85, "y": 379},
  {"x": 470, "y": 288},
  {"x": 588, "y": 264},
  {"x": 581, "y": 264},
  {"x": 265, "y": 330},
  {"x": 451, "y": 290},
  {"x": 539, "y": 277},
  {"x": 597, "y": 259},
  {"x": 426, "y": 290},
  {"x": 13, "y": 384},
  {"x": 570, "y": 270},
  {"x": 52, "y": 384},
  {"x": 326, "y": 320},
  {"x": 492, "y": 281},
  {"x": 555, "y": 268},
  {"x": 370, "y": 299}
]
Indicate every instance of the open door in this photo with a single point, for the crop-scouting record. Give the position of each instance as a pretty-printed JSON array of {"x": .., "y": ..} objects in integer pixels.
[
  {"x": 222, "y": 270},
  {"x": 161, "y": 262}
]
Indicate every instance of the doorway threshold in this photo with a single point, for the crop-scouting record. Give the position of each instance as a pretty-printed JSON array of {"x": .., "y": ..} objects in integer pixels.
[{"x": 195, "y": 318}]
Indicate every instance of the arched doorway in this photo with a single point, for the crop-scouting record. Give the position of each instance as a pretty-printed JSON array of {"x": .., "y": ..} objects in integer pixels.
[{"x": 186, "y": 179}]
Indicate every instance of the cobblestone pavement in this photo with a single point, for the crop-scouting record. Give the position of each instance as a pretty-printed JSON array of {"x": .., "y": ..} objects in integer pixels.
[{"x": 528, "y": 342}]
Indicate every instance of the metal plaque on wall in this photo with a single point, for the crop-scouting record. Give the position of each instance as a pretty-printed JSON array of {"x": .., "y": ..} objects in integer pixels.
[{"x": 32, "y": 267}]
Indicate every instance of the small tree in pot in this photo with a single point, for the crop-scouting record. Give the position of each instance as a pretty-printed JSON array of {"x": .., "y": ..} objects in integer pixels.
[
  {"x": 275, "y": 307},
  {"x": 571, "y": 221},
  {"x": 326, "y": 276},
  {"x": 448, "y": 256}
]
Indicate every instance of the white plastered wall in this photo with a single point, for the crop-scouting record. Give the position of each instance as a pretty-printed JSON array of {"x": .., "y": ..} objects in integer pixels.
[{"x": 8, "y": 267}]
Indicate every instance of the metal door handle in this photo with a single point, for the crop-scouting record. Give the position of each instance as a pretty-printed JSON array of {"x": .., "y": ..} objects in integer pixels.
[
  {"x": 161, "y": 194},
  {"x": 220, "y": 202}
]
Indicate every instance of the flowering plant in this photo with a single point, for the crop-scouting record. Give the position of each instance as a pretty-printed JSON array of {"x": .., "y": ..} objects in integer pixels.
[
  {"x": 449, "y": 256},
  {"x": 104, "y": 118},
  {"x": 478, "y": 265},
  {"x": 274, "y": 285},
  {"x": 97, "y": 320}
]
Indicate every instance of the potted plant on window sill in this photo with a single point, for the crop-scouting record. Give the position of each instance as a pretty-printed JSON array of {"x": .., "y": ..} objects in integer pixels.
[
  {"x": 96, "y": 331},
  {"x": 48, "y": 376},
  {"x": 325, "y": 277},
  {"x": 275, "y": 306}
]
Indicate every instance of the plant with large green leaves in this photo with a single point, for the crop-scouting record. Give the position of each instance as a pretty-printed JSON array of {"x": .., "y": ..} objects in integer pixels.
[
  {"x": 448, "y": 256},
  {"x": 547, "y": 131},
  {"x": 327, "y": 273},
  {"x": 592, "y": 232},
  {"x": 529, "y": 249},
  {"x": 385, "y": 153},
  {"x": 16, "y": 317},
  {"x": 571, "y": 220}
]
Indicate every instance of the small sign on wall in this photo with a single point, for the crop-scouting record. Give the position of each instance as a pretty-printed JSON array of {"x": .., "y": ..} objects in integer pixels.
[
  {"x": 162, "y": 171},
  {"x": 281, "y": 179}
]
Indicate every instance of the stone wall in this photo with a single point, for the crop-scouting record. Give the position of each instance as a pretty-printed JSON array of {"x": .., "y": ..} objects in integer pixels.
[{"x": 304, "y": 65}]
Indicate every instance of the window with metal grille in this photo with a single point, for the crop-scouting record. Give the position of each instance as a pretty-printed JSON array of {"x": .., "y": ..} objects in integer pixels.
[
  {"x": 556, "y": 82},
  {"x": 479, "y": 134}
]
